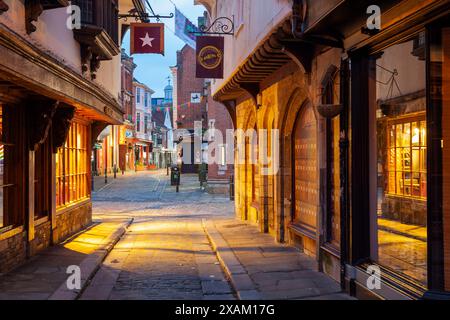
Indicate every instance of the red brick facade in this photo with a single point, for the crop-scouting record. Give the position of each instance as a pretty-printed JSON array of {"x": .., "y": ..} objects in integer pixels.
[
  {"x": 188, "y": 84},
  {"x": 219, "y": 117}
]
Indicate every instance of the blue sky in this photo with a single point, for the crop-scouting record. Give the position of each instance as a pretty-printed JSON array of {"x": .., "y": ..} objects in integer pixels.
[{"x": 153, "y": 70}]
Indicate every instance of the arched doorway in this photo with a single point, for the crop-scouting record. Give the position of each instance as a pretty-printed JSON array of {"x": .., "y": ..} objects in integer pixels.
[{"x": 305, "y": 174}]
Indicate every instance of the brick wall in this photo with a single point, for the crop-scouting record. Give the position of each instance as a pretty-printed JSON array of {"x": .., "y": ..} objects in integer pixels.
[
  {"x": 222, "y": 122},
  {"x": 187, "y": 83}
]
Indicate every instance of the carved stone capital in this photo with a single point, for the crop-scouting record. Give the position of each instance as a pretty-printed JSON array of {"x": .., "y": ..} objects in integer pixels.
[{"x": 61, "y": 124}]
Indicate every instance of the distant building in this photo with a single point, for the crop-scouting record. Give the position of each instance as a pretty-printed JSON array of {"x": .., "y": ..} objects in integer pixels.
[
  {"x": 143, "y": 138},
  {"x": 191, "y": 107},
  {"x": 127, "y": 130},
  {"x": 162, "y": 129}
]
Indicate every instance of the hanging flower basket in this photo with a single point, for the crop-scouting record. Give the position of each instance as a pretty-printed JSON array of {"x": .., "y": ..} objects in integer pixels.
[{"x": 330, "y": 111}]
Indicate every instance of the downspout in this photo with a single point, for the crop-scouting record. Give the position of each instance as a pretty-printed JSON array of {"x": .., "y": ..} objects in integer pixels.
[{"x": 299, "y": 13}]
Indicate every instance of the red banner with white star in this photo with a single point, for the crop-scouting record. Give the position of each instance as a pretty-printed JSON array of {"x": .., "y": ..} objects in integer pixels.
[{"x": 147, "y": 38}]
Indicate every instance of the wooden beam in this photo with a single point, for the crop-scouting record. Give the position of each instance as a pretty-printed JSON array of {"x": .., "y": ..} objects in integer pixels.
[{"x": 230, "y": 105}]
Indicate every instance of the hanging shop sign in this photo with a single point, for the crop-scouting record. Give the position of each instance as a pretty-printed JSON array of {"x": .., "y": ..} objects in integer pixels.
[
  {"x": 196, "y": 97},
  {"x": 210, "y": 54},
  {"x": 147, "y": 38}
]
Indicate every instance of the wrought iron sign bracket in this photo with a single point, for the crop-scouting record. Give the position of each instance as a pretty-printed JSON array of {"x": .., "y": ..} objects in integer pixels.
[
  {"x": 222, "y": 26},
  {"x": 144, "y": 17}
]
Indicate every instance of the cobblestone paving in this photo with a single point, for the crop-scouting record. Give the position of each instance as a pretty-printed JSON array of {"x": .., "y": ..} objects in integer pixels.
[{"x": 165, "y": 253}]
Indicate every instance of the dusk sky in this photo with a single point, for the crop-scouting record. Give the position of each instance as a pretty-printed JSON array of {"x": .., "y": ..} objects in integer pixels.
[{"x": 152, "y": 69}]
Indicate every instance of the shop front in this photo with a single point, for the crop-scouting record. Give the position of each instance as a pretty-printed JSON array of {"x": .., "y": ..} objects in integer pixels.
[{"x": 397, "y": 217}]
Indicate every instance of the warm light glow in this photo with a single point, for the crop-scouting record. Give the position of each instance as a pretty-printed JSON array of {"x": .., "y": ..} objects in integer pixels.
[{"x": 416, "y": 136}]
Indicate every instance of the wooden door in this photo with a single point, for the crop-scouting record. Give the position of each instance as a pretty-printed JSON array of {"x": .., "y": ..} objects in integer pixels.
[{"x": 305, "y": 169}]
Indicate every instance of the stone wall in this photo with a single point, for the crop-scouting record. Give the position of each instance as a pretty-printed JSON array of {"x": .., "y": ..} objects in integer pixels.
[
  {"x": 42, "y": 237},
  {"x": 13, "y": 250},
  {"x": 14, "y": 244},
  {"x": 405, "y": 210},
  {"x": 73, "y": 220}
]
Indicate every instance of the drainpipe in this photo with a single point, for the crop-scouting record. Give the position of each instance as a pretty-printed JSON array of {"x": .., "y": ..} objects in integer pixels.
[{"x": 299, "y": 13}]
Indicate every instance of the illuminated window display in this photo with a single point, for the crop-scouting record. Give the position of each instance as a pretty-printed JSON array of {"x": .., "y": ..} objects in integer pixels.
[{"x": 72, "y": 167}]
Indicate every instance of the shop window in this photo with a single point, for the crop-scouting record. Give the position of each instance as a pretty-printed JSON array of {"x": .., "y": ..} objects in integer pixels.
[
  {"x": 72, "y": 183},
  {"x": 399, "y": 174},
  {"x": 8, "y": 166}
]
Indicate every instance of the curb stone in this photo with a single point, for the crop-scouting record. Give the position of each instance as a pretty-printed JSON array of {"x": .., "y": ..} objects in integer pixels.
[{"x": 239, "y": 278}]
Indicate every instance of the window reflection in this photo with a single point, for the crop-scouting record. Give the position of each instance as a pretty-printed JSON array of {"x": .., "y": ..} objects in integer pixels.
[{"x": 402, "y": 164}]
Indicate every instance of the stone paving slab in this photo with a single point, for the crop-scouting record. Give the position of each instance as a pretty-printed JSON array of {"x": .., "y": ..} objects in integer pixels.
[
  {"x": 44, "y": 276},
  {"x": 259, "y": 268}
]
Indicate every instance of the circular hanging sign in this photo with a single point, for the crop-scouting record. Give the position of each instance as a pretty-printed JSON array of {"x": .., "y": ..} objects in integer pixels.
[{"x": 210, "y": 57}]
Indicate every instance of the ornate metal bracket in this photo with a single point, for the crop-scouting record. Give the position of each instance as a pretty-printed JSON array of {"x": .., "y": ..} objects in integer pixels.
[
  {"x": 3, "y": 7},
  {"x": 220, "y": 26},
  {"x": 143, "y": 17}
]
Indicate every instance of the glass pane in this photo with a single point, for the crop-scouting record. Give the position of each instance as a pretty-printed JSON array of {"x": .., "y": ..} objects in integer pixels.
[{"x": 401, "y": 129}]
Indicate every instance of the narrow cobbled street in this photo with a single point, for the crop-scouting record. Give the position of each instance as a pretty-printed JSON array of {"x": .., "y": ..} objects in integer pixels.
[
  {"x": 148, "y": 242},
  {"x": 169, "y": 249},
  {"x": 165, "y": 253}
]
